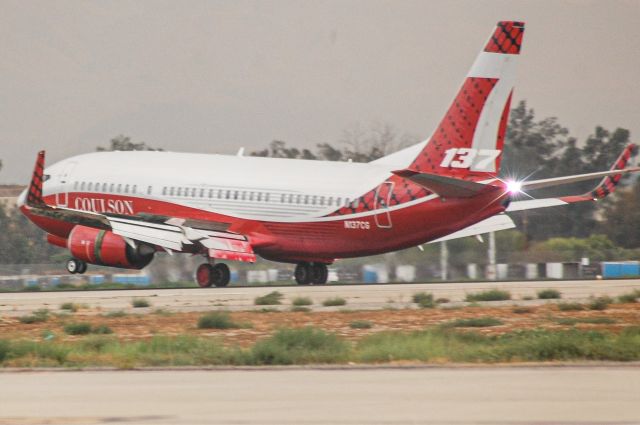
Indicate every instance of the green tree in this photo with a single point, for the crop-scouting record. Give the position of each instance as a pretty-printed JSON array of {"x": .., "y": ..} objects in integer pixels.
[
  {"x": 124, "y": 143},
  {"x": 621, "y": 217}
]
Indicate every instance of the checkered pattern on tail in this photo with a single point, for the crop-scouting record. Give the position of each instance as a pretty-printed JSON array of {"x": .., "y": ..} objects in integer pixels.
[
  {"x": 507, "y": 38},
  {"x": 34, "y": 196},
  {"x": 609, "y": 183}
]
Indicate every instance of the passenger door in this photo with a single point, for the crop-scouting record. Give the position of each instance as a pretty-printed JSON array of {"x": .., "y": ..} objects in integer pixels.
[{"x": 381, "y": 202}]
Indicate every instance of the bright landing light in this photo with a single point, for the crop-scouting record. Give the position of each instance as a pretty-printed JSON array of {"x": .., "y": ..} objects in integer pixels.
[{"x": 514, "y": 187}]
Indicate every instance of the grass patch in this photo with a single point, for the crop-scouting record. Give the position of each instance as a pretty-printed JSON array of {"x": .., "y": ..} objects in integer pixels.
[
  {"x": 630, "y": 297},
  {"x": 300, "y": 309},
  {"x": 527, "y": 298},
  {"x": 570, "y": 307},
  {"x": 140, "y": 303},
  {"x": 38, "y": 316},
  {"x": 590, "y": 320},
  {"x": 522, "y": 310},
  {"x": 424, "y": 300},
  {"x": 314, "y": 346},
  {"x": 361, "y": 324},
  {"x": 549, "y": 294},
  {"x": 599, "y": 303},
  {"x": 301, "y": 301},
  {"x": 334, "y": 302},
  {"x": 300, "y": 346},
  {"x": 268, "y": 310},
  {"x": 443, "y": 300},
  {"x": 162, "y": 312},
  {"x": 78, "y": 328},
  {"x": 101, "y": 330},
  {"x": 475, "y": 322},
  {"x": 72, "y": 307},
  {"x": 217, "y": 320},
  {"x": 490, "y": 295},
  {"x": 272, "y": 298}
]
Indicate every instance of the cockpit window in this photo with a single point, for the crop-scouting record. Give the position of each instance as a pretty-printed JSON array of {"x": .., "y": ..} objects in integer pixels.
[{"x": 46, "y": 177}]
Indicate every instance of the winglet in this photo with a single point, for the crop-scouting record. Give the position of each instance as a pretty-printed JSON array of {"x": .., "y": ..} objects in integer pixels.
[
  {"x": 34, "y": 196},
  {"x": 608, "y": 184}
]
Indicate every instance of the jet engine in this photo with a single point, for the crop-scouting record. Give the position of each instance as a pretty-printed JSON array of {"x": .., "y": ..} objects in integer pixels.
[{"x": 105, "y": 248}]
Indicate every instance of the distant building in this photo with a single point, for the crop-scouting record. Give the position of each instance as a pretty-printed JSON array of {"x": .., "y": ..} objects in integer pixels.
[{"x": 9, "y": 195}]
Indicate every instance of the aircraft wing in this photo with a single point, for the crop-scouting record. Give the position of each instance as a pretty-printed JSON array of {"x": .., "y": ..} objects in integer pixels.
[
  {"x": 606, "y": 186},
  {"x": 169, "y": 233}
]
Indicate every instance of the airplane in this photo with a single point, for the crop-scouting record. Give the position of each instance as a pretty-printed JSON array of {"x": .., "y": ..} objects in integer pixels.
[{"x": 119, "y": 209}]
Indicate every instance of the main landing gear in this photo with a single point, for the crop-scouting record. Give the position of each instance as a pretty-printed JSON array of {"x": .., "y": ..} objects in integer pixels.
[
  {"x": 311, "y": 273},
  {"x": 76, "y": 266},
  {"x": 208, "y": 274}
]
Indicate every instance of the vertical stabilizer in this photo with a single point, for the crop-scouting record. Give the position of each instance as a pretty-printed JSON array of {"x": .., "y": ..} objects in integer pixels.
[{"x": 469, "y": 140}]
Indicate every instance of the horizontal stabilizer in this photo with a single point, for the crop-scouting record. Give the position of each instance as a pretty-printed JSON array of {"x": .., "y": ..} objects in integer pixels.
[
  {"x": 606, "y": 186},
  {"x": 491, "y": 224},
  {"x": 446, "y": 187}
]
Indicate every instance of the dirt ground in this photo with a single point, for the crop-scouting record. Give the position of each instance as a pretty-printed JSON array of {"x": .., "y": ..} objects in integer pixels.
[{"x": 256, "y": 325}]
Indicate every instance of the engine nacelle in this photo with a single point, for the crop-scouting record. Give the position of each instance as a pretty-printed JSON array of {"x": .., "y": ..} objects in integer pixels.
[{"x": 105, "y": 248}]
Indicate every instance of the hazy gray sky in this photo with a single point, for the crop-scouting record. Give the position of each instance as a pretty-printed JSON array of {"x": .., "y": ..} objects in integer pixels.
[{"x": 207, "y": 76}]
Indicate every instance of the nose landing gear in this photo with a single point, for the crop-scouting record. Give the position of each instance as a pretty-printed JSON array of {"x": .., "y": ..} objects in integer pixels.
[
  {"x": 207, "y": 275},
  {"x": 311, "y": 273}
]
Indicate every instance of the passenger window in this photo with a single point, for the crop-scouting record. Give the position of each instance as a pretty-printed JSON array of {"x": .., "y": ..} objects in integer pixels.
[
  {"x": 282, "y": 198},
  {"x": 179, "y": 191},
  {"x": 235, "y": 194},
  {"x": 298, "y": 199},
  {"x": 210, "y": 193},
  {"x": 119, "y": 188},
  {"x": 134, "y": 189},
  {"x": 321, "y": 200},
  {"x": 90, "y": 186},
  {"x": 126, "y": 188},
  {"x": 306, "y": 199},
  {"x": 228, "y": 194},
  {"x": 202, "y": 193},
  {"x": 266, "y": 197},
  {"x": 164, "y": 190},
  {"x": 219, "y": 193},
  {"x": 259, "y": 197},
  {"x": 313, "y": 200},
  {"x": 243, "y": 195},
  {"x": 171, "y": 189},
  {"x": 251, "y": 196},
  {"x": 111, "y": 186},
  {"x": 148, "y": 190},
  {"x": 193, "y": 192},
  {"x": 291, "y": 198}
]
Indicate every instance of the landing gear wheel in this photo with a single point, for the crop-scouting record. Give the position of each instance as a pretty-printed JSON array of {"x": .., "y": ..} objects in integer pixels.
[
  {"x": 76, "y": 266},
  {"x": 303, "y": 273},
  {"x": 83, "y": 267},
  {"x": 221, "y": 275},
  {"x": 319, "y": 274},
  {"x": 204, "y": 275}
]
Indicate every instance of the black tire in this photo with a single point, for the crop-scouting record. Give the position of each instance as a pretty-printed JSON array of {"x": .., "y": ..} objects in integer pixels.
[
  {"x": 319, "y": 274},
  {"x": 72, "y": 265},
  {"x": 221, "y": 275},
  {"x": 303, "y": 273},
  {"x": 82, "y": 266},
  {"x": 204, "y": 275}
]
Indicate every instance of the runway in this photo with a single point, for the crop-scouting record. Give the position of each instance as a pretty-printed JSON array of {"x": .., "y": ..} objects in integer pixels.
[
  {"x": 447, "y": 396},
  {"x": 371, "y": 296}
]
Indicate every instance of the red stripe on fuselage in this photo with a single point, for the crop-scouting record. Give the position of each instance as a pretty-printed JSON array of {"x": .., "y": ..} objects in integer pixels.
[{"x": 312, "y": 240}]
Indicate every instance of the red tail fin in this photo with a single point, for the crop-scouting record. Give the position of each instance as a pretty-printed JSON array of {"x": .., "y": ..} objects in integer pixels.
[
  {"x": 469, "y": 140},
  {"x": 34, "y": 196}
]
